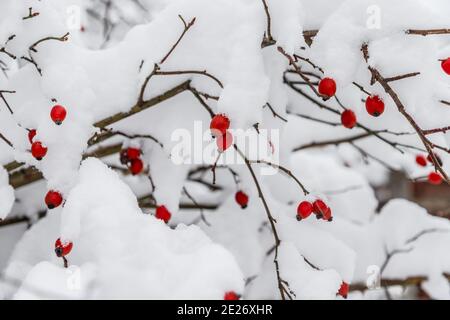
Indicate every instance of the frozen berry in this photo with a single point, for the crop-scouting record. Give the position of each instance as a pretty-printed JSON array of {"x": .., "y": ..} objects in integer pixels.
[
  {"x": 38, "y": 150},
  {"x": 231, "y": 295},
  {"x": 348, "y": 119},
  {"x": 343, "y": 290},
  {"x": 319, "y": 208},
  {"x": 241, "y": 199},
  {"x": 133, "y": 153},
  {"x": 421, "y": 160},
  {"x": 374, "y": 106},
  {"x": 327, "y": 87},
  {"x": 62, "y": 249},
  {"x": 136, "y": 166},
  {"x": 163, "y": 214},
  {"x": 446, "y": 66},
  {"x": 434, "y": 178},
  {"x": 219, "y": 125},
  {"x": 31, "y": 135},
  {"x": 327, "y": 215},
  {"x": 224, "y": 142},
  {"x": 53, "y": 199},
  {"x": 58, "y": 114},
  {"x": 304, "y": 210}
]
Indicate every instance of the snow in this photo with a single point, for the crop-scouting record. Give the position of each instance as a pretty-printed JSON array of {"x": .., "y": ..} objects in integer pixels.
[
  {"x": 121, "y": 250},
  {"x": 101, "y": 218}
]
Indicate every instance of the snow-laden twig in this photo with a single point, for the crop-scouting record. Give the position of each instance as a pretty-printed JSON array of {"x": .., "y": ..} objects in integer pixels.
[
  {"x": 429, "y": 146},
  {"x": 281, "y": 285},
  {"x": 268, "y": 40}
]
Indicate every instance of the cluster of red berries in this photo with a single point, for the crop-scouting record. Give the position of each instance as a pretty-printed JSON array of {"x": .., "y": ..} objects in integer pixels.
[
  {"x": 219, "y": 129},
  {"x": 131, "y": 157},
  {"x": 62, "y": 248},
  {"x": 318, "y": 207},
  {"x": 433, "y": 177},
  {"x": 374, "y": 104},
  {"x": 241, "y": 199},
  {"x": 38, "y": 150},
  {"x": 163, "y": 214}
]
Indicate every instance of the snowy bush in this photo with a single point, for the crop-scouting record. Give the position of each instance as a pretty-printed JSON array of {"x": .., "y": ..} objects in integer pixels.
[{"x": 183, "y": 149}]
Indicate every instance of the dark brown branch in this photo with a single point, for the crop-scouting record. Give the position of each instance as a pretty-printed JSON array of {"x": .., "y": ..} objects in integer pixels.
[
  {"x": 108, "y": 133},
  {"x": 187, "y": 26},
  {"x": 275, "y": 114},
  {"x": 427, "y": 32},
  {"x": 366, "y": 155},
  {"x": 31, "y": 14},
  {"x": 156, "y": 67},
  {"x": 4, "y": 99},
  {"x": 334, "y": 142},
  {"x": 304, "y": 116},
  {"x": 285, "y": 170},
  {"x": 9, "y": 143},
  {"x": 436, "y": 130},
  {"x": 309, "y": 35},
  {"x": 297, "y": 57},
  {"x": 33, "y": 62},
  {"x": 360, "y": 87},
  {"x": 271, "y": 219},
  {"x": 403, "y": 76},
  {"x": 180, "y": 72},
  {"x": 64, "y": 38},
  {"x": 301, "y": 74},
  {"x": 3, "y": 49},
  {"x": 268, "y": 39},
  {"x": 144, "y": 105},
  {"x": 202, "y": 215},
  {"x": 198, "y": 96}
]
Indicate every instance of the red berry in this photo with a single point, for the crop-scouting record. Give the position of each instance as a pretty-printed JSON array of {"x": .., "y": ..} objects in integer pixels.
[
  {"x": 53, "y": 199},
  {"x": 421, "y": 160},
  {"x": 136, "y": 166},
  {"x": 133, "y": 153},
  {"x": 62, "y": 249},
  {"x": 242, "y": 199},
  {"x": 439, "y": 160},
  {"x": 163, "y": 214},
  {"x": 38, "y": 150},
  {"x": 434, "y": 178},
  {"x": 231, "y": 295},
  {"x": 343, "y": 290},
  {"x": 327, "y": 215},
  {"x": 224, "y": 142},
  {"x": 219, "y": 125},
  {"x": 348, "y": 119},
  {"x": 58, "y": 114},
  {"x": 374, "y": 106},
  {"x": 304, "y": 210},
  {"x": 446, "y": 66},
  {"x": 31, "y": 135},
  {"x": 319, "y": 208},
  {"x": 327, "y": 87}
]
